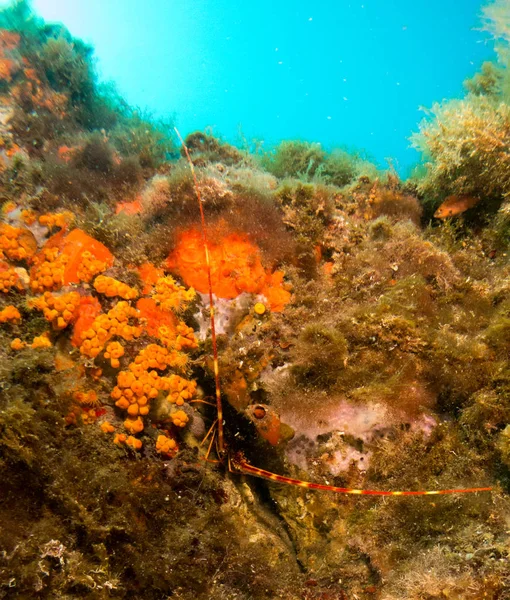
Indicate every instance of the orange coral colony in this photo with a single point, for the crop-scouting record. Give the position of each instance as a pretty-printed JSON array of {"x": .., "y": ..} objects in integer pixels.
[
  {"x": 70, "y": 258},
  {"x": 9, "y": 278},
  {"x": 10, "y": 314},
  {"x": 56, "y": 271},
  {"x": 16, "y": 243},
  {"x": 236, "y": 267}
]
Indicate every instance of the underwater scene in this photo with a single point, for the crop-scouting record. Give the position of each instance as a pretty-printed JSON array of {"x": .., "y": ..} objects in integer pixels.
[{"x": 252, "y": 368}]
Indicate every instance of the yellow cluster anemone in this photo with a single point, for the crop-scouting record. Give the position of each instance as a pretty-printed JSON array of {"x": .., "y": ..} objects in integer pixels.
[
  {"x": 141, "y": 383},
  {"x": 61, "y": 219},
  {"x": 28, "y": 216},
  {"x": 41, "y": 341},
  {"x": 114, "y": 351},
  {"x": 259, "y": 308},
  {"x": 171, "y": 296},
  {"x": 17, "y": 344},
  {"x": 110, "y": 287},
  {"x": 16, "y": 243},
  {"x": 179, "y": 337},
  {"x": 179, "y": 418},
  {"x": 154, "y": 356},
  {"x": 88, "y": 398},
  {"x": 49, "y": 273},
  {"x": 105, "y": 326},
  {"x": 107, "y": 427},
  {"x": 9, "y": 279},
  {"x": 122, "y": 438},
  {"x": 134, "y": 389},
  {"x": 180, "y": 389},
  {"x": 87, "y": 415},
  {"x": 185, "y": 339},
  {"x": 166, "y": 445},
  {"x": 133, "y": 425},
  {"x": 10, "y": 314},
  {"x": 59, "y": 310},
  {"x": 90, "y": 266}
]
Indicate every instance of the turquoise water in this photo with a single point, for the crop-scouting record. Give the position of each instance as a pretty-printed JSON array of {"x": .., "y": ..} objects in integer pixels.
[{"x": 342, "y": 73}]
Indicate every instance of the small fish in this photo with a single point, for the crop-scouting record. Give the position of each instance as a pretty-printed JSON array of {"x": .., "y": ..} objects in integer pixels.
[{"x": 455, "y": 205}]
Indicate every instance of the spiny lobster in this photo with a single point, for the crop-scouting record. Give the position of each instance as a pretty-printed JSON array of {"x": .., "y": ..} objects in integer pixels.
[{"x": 236, "y": 462}]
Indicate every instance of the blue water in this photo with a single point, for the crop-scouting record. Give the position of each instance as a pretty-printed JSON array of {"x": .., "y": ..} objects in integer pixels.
[{"x": 343, "y": 73}]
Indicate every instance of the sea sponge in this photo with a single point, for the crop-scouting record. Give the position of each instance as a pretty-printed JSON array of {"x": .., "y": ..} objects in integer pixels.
[
  {"x": 81, "y": 249},
  {"x": 87, "y": 311},
  {"x": 129, "y": 208},
  {"x": 149, "y": 274},
  {"x": 153, "y": 318},
  {"x": 236, "y": 267}
]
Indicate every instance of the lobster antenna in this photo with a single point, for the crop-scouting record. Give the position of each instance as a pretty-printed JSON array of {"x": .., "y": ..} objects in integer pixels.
[{"x": 221, "y": 444}]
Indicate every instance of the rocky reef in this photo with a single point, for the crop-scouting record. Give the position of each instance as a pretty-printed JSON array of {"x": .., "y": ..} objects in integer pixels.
[{"x": 362, "y": 343}]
